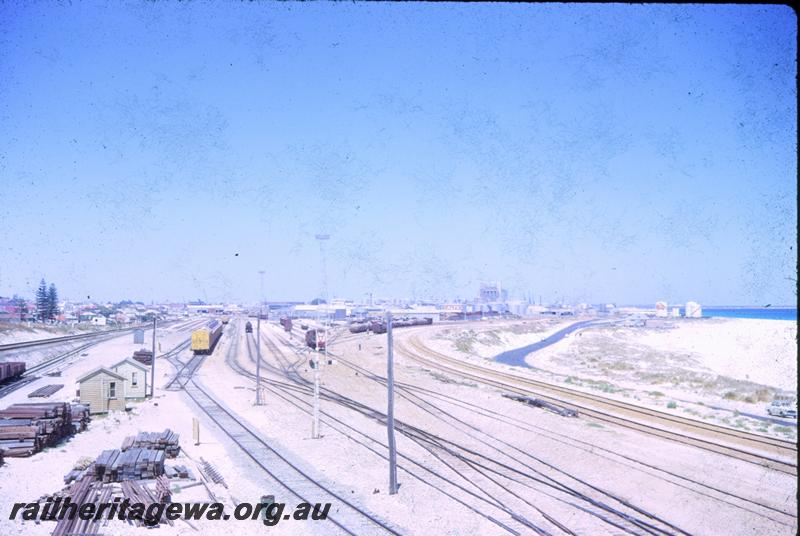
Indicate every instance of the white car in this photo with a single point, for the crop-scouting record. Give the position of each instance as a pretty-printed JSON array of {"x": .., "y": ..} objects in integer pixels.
[{"x": 782, "y": 410}]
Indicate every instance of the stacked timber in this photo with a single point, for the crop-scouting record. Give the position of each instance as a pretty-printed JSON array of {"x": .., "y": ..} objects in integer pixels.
[
  {"x": 166, "y": 441},
  {"x": 46, "y": 391},
  {"x": 28, "y": 428},
  {"x": 178, "y": 471},
  {"x": 80, "y": 417},
  {"x": 132, "y": 464},
  {"x": 145, "y": 357}
]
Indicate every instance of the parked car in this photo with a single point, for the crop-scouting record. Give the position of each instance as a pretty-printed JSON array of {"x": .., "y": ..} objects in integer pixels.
[{"x": 781, "y": 408}]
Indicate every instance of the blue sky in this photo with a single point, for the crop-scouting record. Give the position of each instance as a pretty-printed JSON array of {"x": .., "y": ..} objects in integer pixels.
[{"x": 587, "y": 152}]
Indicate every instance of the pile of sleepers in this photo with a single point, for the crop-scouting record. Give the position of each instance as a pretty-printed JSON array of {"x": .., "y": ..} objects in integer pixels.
[
  {"x": 179, "y": 471},
  {"x": 80, "y": 417},
  {"x": 145, "y": 357},
  {"x": 28, "y": 428},
  {"x": 132, "y": 464},
  {"x": 166, "y": 441},
  {"x": 46, "y": 391}
]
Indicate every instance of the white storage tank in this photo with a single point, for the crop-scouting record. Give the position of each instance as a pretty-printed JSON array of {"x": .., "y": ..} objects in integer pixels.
[{"x": 693, "y": 310}]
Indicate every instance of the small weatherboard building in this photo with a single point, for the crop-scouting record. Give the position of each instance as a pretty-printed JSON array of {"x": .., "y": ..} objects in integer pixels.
[
  {"x": 103, "y": 390},
  {"x": 135, "y": 374}
]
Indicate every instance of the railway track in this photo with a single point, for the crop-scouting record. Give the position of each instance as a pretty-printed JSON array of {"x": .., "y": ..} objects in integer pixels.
[
  {"x": 348, "y": 517},
  {"x": 422, "y": 398},
  {"x": 767, "y": 452},
  {"x": 67, "y": 338},
  {"x": 35, "y": 372},
  {"x": 485, "y": 477}
]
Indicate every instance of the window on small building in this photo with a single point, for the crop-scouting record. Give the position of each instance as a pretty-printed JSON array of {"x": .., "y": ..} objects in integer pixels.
[
  {"x": 134, "y": 381},
  {"x": 112, "y": 390}
]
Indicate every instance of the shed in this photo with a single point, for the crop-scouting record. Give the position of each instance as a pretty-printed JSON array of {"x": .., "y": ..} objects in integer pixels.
[
  {"x": 103, "y": 390},
  {"x": 135, "y": 374}
]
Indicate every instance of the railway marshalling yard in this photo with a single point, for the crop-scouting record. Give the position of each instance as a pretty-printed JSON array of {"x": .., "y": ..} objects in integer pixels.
[{"x": 470, "y": 460}]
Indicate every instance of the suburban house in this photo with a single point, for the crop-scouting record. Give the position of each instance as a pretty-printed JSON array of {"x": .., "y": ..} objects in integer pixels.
[
  {"x": 136, "y": 375},
  {"x": 103, "y": 390}
]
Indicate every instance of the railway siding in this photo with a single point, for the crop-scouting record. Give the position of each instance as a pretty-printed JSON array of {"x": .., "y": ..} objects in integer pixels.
[{"x": 768, "y": 452}]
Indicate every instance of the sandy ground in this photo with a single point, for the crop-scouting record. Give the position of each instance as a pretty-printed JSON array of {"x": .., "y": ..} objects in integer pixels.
[
  {"x": 27, "y": 479},
  {"x": 488, "y": 338},
  {"x": 11, "y": 333},
  {"x": 582, "y": 450},
  {"x": 712, "y": 369},
  {"x": 532, "y": 441}
]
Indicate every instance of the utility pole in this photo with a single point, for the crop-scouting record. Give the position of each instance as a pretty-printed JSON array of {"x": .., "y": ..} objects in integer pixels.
[
  {"x": 153, "y": 364},
  {"x": 315, "y": 362},
  {"x": 317, "y": 372},
  {"x": 390, "y": 409},
  {"x": 258, "y": 340}
]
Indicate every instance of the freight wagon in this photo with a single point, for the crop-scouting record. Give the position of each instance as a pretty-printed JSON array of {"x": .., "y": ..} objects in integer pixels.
[
  {"x": 248, "y": 328},
  {"x": 204, "y": 339},
  {"x": 11, "y": 370},
  {"x": 314, "y": 337},
  {"x": 358, "y": 327},
  {"x": 379, "y": 326},
  {"x": 286, "y": 322}
]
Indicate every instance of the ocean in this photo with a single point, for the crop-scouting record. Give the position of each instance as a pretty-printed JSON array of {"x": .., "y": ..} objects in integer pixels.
[{"x": 765, "y": 313}]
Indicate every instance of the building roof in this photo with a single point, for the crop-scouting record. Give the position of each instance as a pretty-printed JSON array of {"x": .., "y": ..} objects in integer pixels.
[
  {"x": 97, "y": 371},
  {"x": 131, "y": 362}
]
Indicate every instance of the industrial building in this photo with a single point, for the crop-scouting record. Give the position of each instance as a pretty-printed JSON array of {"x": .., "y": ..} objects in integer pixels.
[{"x": 693, "y": 310}]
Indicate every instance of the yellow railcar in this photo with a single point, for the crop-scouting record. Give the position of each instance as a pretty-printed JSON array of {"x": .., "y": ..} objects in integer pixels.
[{"x": 204, "y": 339}]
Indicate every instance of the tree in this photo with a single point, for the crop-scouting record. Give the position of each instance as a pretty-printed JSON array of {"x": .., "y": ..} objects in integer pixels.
[
  {"x": 52, "y": 302},
  {"x": 42, "y": 302},
  {"x": 22, "y": 307}
]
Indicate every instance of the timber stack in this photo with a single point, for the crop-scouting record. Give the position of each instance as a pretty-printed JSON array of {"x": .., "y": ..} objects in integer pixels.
[
  {"x": 166, "y": 441},
  {"x": 145, "y": 357},
  {"x": 28, "y": 428},
  {"x": 80, "y": 417},
  {"x": 132, "y": 464}
]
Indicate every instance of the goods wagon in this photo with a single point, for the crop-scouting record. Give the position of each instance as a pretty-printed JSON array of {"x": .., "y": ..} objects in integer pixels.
[
  {"x": 314, "y": 337},
  {"x": 286, "y": 322},
  {"x": 358, "y": 327},
  {"x": 11, "y": 370},
  {"x": 204, "y": 339},
  {"x": 379, "y": 326},
  {"x": 248, "y": 328}
]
